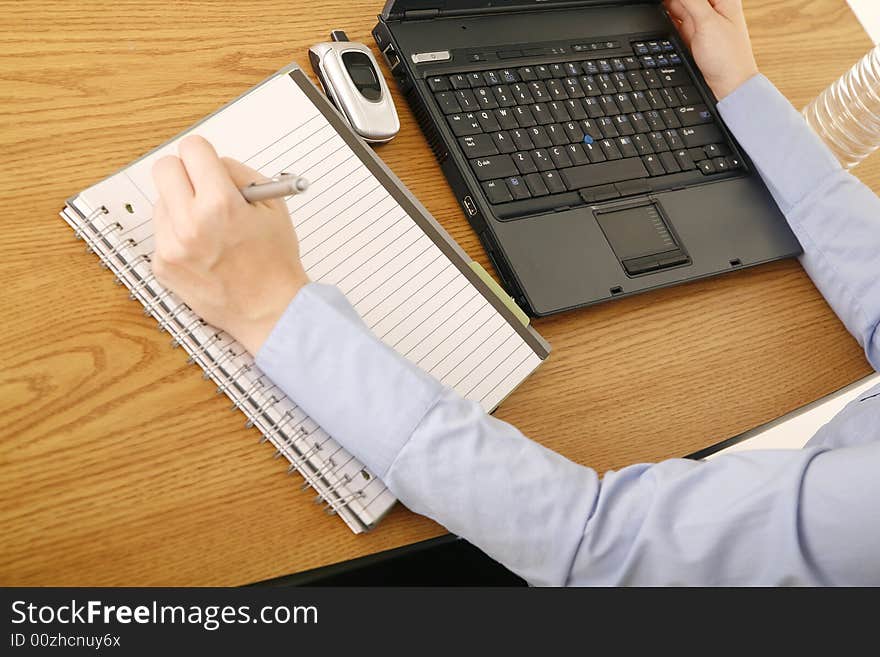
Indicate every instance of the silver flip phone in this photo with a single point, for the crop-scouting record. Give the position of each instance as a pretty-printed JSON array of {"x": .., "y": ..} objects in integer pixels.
[{"x": 353, "y": 83}]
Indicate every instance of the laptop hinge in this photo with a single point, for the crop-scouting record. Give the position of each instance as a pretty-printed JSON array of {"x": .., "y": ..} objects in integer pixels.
[{"x": 420, "y": 14}]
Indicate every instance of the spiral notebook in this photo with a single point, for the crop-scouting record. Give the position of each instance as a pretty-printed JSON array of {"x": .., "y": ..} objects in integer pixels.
[{"x": 360, "y": 230}]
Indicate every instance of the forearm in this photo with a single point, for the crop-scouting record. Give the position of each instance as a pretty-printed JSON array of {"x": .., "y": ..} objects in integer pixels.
[
  {"x": 835, "y": 217},
  {"x": 439, "y": 454},
  {"x": 735, "y": 520}
]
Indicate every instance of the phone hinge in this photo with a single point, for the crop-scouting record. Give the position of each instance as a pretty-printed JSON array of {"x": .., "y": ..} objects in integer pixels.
[{"x": 420, "y": 14}]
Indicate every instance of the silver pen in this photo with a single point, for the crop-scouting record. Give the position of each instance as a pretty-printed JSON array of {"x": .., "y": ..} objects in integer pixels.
[{"x": 284, "y": 184}]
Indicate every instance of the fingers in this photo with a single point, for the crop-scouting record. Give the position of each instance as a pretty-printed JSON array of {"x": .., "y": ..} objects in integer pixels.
[
  {"x": 172, "y": 182},
  {"x": 675, "y": 9},
  {"x": 699, "y": 10},
  {"x": 206, "y": 172},
  {"x": 241, "y": 174},
  {"x": 685, "y": 22}
]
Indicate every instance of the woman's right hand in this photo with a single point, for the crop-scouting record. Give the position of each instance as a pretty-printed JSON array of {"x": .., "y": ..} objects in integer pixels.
[{"x": 716, "y": 33}]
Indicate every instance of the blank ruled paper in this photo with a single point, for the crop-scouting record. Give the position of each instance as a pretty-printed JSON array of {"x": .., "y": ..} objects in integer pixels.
[{"x": 355, "y": 235}]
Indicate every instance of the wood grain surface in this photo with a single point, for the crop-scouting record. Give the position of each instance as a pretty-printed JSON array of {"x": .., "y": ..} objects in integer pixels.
[{"x": 121, "y": 466}]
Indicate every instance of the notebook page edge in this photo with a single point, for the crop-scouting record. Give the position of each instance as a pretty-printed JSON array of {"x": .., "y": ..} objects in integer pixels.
[{"x": 413, "y": 207}]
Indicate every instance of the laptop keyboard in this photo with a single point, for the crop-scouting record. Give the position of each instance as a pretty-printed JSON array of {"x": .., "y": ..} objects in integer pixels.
[{"x": 602, "y": 127}]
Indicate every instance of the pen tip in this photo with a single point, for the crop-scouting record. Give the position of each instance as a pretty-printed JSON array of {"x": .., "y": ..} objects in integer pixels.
[{"x": 302, "y": 185}]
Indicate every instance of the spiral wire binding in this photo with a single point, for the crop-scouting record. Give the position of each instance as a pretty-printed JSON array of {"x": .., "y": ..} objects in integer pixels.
[{"x": 281, "y": 432}]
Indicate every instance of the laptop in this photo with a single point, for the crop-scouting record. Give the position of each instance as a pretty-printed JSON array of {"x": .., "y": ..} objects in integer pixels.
[{"x": 583, "y": 144}]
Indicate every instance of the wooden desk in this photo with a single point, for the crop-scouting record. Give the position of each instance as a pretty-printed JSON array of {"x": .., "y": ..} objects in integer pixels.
[{"x": 121, "y": 466}]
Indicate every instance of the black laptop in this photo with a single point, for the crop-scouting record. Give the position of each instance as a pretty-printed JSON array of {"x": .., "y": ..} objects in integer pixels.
[{"x": 583, "y": 145}]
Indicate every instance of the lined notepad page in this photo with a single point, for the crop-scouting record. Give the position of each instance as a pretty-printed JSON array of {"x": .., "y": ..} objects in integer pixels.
[{"x": 353, "y": 234}]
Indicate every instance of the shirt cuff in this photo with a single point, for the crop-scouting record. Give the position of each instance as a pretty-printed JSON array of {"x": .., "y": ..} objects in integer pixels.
[
  {"x": 792, "y": 159},
  {"x": 360, "y": 391}
]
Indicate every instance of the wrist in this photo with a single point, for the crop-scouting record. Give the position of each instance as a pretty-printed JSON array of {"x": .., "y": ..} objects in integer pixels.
[
  {"x": 256, "y": 328},
  {"x": 726, "y": 86}
]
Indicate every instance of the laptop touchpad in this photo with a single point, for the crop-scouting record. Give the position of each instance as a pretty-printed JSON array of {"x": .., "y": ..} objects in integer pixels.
[{"x": 641, "y": 238}]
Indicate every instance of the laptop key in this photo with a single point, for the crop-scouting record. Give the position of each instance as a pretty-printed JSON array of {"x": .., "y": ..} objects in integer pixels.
[
  {"x": 716, "y": 150},
  {"x": 621, "y": 82},
  {"x": 639, "y": 124},
  {"x": 517, "y": 187},
  {"x": 573, "y": 132},
  {"x": 487, "y": 121},
  {"x": 673, "y": 77},
  {"x": 539, "y": 137},
  {"x": 557, "y": 134},
  {"x": 554, "y": 182},
  {"x": 670, "y": 117},
  {"x": 684, "y": 160},
  {"x": 557, "y": 90},
  {"x": 701, "y": 135},
  {"x": 691, "y": 115},
  {"x": 637, "y": 80},
  {"x": 439, "y": 83},
  {"x": 626, "y": 146},
  {"x": 658, "y": 142},
  {"x": 485, "y": 98},
  {"x": 689, "y": 95},
  {"x": 558, "y": 111},
  {"x": 467, "y": 100},
  {"x": 706, "y": 166},
  {"x": 624, "y": 125},
  {"x": 503, "y": 95},
  {"x": 673, "y": 139},
  {"x": 576, "y": 154},
  {"x": 542, "y": 160},
  {"x": 494, "y": 166},
  {"x": 509, "y": 76},
  {"x": 594, "y": 110},
  {"x": 594, "y": 153},
  {"x": 524, "y": 163},
  {"x": 447, "y": 102},
  {"x": 478, "y": 146},
  {"x": 609, "y": 147},
  {"x": 575, "y": 109},
  {"x": 523, "y": 141},
  {"x": 590, "y": 175},
  {"x": 521, "y": 93},
  {"x": 607, "y": 126},
  {"x": 527, "y": 73},
  {"x": 497, "y": 192},
  {"x": 652, "y": 162},
  {"x": 506, "y": 119},
  {"x": 524, "y": 116},
  {"x": 541, "y": 113},
  {"x": 543, "y": 72},
  {"x": 503, "y": 142},
  {"x": 669, "y": 162},
  {"x": 459, "y": 81},
  {"x": 539, "y": 91},
  {"x": 536, "y": 185},
  {"x": 590, "y": 86},
  {"x": 624, "y": 103},
  {"x": 643, "y": 144},
  {"x": 491, "y": 78},
  {"x": 464, "y": 124},
  {"x": 560, "y": 157}
]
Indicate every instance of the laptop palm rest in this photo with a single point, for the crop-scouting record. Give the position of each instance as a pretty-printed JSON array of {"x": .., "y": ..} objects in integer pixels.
[{"x": 641, "y": 237}]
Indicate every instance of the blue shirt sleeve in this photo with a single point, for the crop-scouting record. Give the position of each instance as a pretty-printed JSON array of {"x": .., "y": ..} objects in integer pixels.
[
  {"x": 764, "y": 517},
  {"x": 835, "y": 217}
]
